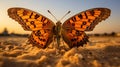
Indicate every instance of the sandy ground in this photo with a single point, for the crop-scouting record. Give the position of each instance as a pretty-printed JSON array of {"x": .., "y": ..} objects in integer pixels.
[{"x": 99, "y": 52}]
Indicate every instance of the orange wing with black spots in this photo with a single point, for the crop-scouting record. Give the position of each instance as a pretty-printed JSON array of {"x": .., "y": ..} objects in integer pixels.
[
  {"x": 40, "y": 26},
  {"x": 29, "y": 19},
  {"x": 74, "y": 37},
  {"x": 41, "y": 38},
  {"x": 73, "y": 28}
]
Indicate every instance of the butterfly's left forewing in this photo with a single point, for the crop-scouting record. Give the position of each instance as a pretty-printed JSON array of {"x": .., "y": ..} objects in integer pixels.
[
  {"x": 29, "y": 19},
  {"x": 73, "y": 28},
  {"x": 40, "y": 26}
]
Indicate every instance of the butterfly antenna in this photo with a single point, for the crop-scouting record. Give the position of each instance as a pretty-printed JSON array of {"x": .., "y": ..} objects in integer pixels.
[
  {"x": 65, "y": 15},
  {"x": 52, "y": 15}
]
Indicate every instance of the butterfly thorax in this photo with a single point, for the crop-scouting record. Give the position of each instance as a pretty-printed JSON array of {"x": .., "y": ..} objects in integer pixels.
[{"x": 57, "y": 28}]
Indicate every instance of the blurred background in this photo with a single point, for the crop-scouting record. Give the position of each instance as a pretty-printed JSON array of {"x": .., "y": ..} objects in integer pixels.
[{"x": 102, "y": 50}]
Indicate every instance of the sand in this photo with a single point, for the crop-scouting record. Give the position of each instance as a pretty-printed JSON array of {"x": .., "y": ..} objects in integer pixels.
[{"x": 99, "y": 52}]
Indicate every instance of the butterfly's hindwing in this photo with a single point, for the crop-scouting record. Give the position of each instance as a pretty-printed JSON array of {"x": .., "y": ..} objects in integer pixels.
[
  {"x": 74, "y": 37},
  {"x": 41, "y": 38}
]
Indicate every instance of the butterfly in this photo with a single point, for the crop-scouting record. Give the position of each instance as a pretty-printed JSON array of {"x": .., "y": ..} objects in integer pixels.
[{"x": 72, "y": 31}]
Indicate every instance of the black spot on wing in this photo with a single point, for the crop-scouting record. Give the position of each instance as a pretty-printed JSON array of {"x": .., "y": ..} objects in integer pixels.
[
  {"x": 31, "y": 14},
  {"x": 25, "y": 12},
  {"x": 32, "y": 22},
  {"x": 73, "y": 19},
  {"x": 80, "y": 16},
  {"x": 84, "y": 23},
  {"x": 85, "y": 14},
  {"x": 43, "y": 19},
  {"x": 78, "y": 33},
  {"x": 36, "y": 16},
  {"x": 92, "y": 12}
]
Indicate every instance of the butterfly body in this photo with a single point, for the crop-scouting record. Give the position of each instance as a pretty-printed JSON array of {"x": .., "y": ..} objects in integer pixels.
[
  {"x": 72, "y": 31},
  {"x": 58, "y": 29}
]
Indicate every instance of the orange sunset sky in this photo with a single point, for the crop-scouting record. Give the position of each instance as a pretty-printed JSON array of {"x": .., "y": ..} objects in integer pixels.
[{"x": 59, "y": 8}]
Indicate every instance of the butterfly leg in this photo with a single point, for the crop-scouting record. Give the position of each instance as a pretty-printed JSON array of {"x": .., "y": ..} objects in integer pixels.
[{"x": 54, "y": 41}]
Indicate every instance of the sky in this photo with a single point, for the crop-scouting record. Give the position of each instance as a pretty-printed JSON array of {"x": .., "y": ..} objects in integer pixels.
[{"x": 59, "y": 8}]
